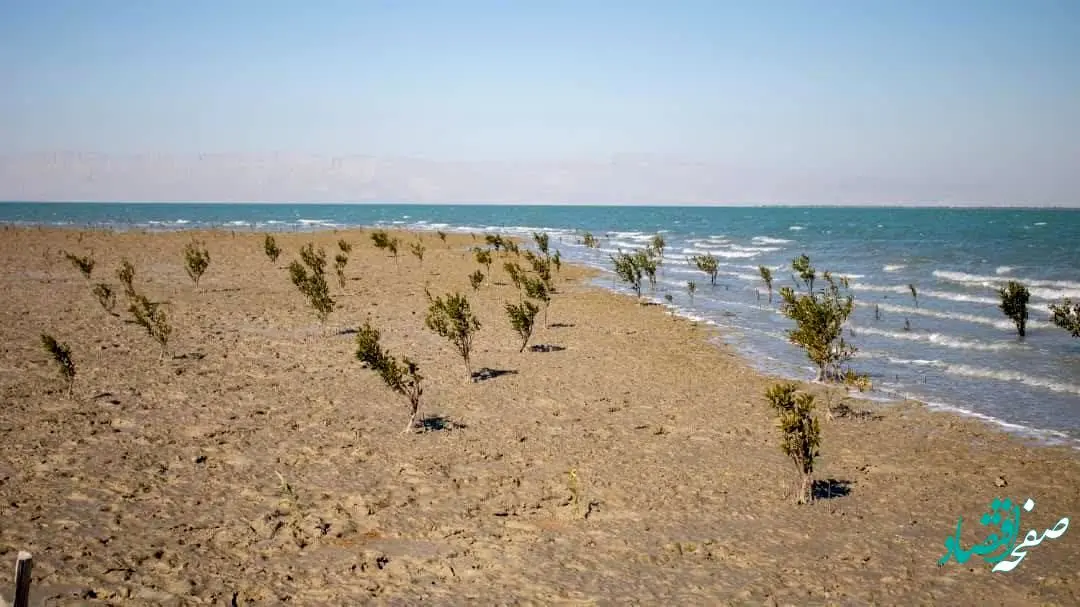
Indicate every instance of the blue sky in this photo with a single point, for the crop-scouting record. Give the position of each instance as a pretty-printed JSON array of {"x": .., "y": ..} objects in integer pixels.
[{"x": 828, "y": 101}]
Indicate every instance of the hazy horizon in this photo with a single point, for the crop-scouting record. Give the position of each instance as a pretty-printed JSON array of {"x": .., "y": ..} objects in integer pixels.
[{"x": 846, "y": 103}]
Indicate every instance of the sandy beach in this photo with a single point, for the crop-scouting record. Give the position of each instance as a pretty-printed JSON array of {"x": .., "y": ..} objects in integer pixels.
[{"x": 164, "y": 483}]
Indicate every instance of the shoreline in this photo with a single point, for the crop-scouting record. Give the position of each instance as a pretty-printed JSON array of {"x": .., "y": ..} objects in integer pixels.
[{"x": 668, "y": 433}]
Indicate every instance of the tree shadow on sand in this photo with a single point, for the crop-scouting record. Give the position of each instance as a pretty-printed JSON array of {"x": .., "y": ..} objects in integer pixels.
[
  {"x": 486, "y": 373},
  {"x": 438, "y": 423},
  {"x": 546, "y": 348},
  {"x": 829, "y": 489},
  {"x": 561, "y": 325}
]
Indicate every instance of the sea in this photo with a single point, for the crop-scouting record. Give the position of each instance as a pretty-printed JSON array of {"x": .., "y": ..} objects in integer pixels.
[{"x": 951, "y": 348}]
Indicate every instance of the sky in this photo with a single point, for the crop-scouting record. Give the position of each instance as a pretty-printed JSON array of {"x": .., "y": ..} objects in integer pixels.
[{"x": 556, "y": 101}]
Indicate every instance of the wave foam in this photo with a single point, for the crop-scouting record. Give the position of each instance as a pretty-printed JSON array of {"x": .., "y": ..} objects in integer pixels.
[
  {"x": 981, "y": 373},
  {"x": 770, "y": 240},
  {"x": 894, "y": 267},
  {"x": 937, "y": 339}
]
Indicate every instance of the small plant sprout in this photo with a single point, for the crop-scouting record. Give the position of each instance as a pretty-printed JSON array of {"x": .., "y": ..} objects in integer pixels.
[
  {"x": 270, "y": 248},
  {"x": 310, "y": 278},
  {"x": 522, "y": 320},
  {"x": 401, "y": 377},
  {"x": 340, "y": 261},
  {"x": 476, "y": 279},
  {"x": 344, "y": 246},
  {"x": 417, "y": 249},
  {"x": 646, "y": 261},
  {"x": 151, "y": 317},
  {"x": 914, "y": 293},
  {"x": 393, "y": 247},
  {"x": 590, "y": 241},
  {"x": 627, "y": 269},
  {"x": 766, "y": 277},
  {"x": 483, "y": 257},
  {"x": 691, "y": 288},
  {"x": 800, "y": 433},
  {"x": 126, "y": 275},
  {"x": 1014, "y": 299},
  {"x": 657, "y": 243},
  {"x": 381, "y": 239},
  {"x": 537, "y": 289},
  {"x": 451, "y": 317},
  {"x": 670, "y": 302},
  {"x": 805, "y": 272},
  {"x": 1067, "y": 316},
  {"x": 515, "y": 272},
  {"x": 85, "y": 265},
  {"x": 542, "y": 242},
  {"x": 442, "y": 236},
  {"x": 509, "y": 246},
  {"x": 105, "y": 297},
  {"x": 196, "y": 260},
  {"x": 556, "y": 260},
  {"x": 61, "y": 354},
  {"x": 708, "y": 264},
  {"x": 819, "y": 320},
  {"x": 495, "y": 241}
]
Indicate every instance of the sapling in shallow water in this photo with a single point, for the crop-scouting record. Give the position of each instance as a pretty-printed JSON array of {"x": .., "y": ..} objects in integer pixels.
[
  {"x": 766, "y": 276},
  {"x": 819, "y": 319},
  {"x": 1067, "y": 316},
  {"x": 1014, "y": 299},
  {"x": 708, "y": 264}
]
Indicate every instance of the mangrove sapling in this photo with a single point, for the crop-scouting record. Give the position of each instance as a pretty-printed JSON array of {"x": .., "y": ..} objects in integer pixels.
[
  {"x": 627, "y": 269},
  {"x": 1014, "y": 299},
  {"x": 105, "y": 297},
  {"x": 494, "y": 241},
  {"x": 340, "y": 261},
  {"x": 150, "y": 316},
  {"x": 708, "y": 264},
  {"x": 381, "y": 239},
  {"x": 85, "y": 264},
  {"x": 657, "y": 243},
  {"x": 453, "y": 319},
  {"x": 819, "y": 322},
  {"x": 61, "y": 354},
  {"x": 589, "y": 240},
  {"x": 522, "y": 320},
  {"x": 271, "y": 249},
  {"x": 800, "y": 433},
  {"x": 691, "y": 288},
  {"x": 556, "y": 260},
  {"x": 417, "y": 249},
  {"x": 392, "y": 246},
  {"x": 914, "y": 293},
  {"x": 537, "y": 289},
  {"x": 311, "y": 280},
  {"x": 805, "y": 272},
  {"x": 1067, "y": 316},
  {"x": 476, "y": 279},
  {"x": 344, "y": 246},
  {"x": 442, "y": 236},
  {"x": 483, "y": 257},
  {"x": 126, "y": 275},
  {"x": 670, "y": 302},
  {"x": 515, "y": 272},
  {"x": 766, "y": 276},
  {"x": 509, "y": 246},
  {"x": 647, "y": 262},
  {"x": 542, "y": 241},
  {"x": 401, "y": 377},
  {"x": 196, "y": 260},
  {"x": 542, "y": 267}
]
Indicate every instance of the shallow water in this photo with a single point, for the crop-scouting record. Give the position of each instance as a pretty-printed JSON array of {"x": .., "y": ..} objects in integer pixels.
[{"x": 952, "y": 348}]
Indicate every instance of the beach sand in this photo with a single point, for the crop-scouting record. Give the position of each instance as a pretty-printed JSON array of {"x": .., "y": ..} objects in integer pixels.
[{"x": 158, "y": 483}]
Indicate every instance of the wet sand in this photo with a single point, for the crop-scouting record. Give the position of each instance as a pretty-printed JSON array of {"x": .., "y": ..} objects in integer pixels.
[{"x": 158, "y": 483}]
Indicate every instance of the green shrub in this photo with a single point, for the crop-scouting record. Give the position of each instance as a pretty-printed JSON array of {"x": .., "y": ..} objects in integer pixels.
[
  {"x": 417, "y": 249},
  {"x": 509, "y": 246},
  {"x": 556, "y": 259},
  {"x": 590, "y": 241},
  {"x": 708, "y": 264},
  {"x": 522, "y": 320},
  {"x": 476, "y": 279},
  {"x": 401, "y": 377},
  {"x": 819, "y": 321},
  {"x": 647, "y": 262},
  {"x": 800, "y": 433},
  {"x": 495, "y": 241},
  {"x": 442, "y": 236},
  {"x": 196, "y": 261},
  {"x": 311, "y": 280},
  {"x": 1067, "y": 316},
  {"x": 537, "y": 289},
  {"x": 392, "y": 246},
  {"x": 105, "y": 296},
  {"x": 270, "y": 248},
  {"x": 542, "y": 242},
  {"x": 381, "y": 239},
  {"x": 657, "y": 244},
  {"x": 515, "y": 272},
  {"x": 1014, "y": 300},
  {"x": 766, "y": 276},
  {"x": 453, "y": 319},
  {"x": 806, "y": 272},
  {"x": 85, "y": 265},
  {"x": 61, "y": 354},
  {"x": 151, "y": 317},
  {"x": 483, "y": 257},
  {"x": 340, "y": 261},
  {"x": 126, "y": 275},
  {"x": 344, "y": 246},
  {"x": 627, "y": 269}
]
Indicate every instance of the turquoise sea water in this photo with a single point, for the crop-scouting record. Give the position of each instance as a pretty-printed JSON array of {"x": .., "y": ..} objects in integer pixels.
[{"x": 959, "y": 353}]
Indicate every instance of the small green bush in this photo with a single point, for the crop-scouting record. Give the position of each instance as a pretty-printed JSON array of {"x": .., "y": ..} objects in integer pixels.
[
  {"x": 515, "y": 272},
  {"x": 522, "y": 320},
  {"x": 85, "y": 264},
  {"x": 766, "y": 276},
  {"x": 392, "y": 246},
  {"x": 483, "y": 257},
  {"x": 196, "y": 261},
  {"x": 417, "y": 249},
  {"x": 537, "y": 289},
  {"x": 271, "y": 249},
  {"x": 627, "y": 269},
  {"x": 657, "y": 243},
  {"x": 819, "y": 320},
  {"x": 151, "y": 317},
  {"x": 340, "y": 261},
  {"x": 344, "y": 246},
  {"x": 542, "y": 242},
  {"x": 453, "y": 319},
  {"x": 1014, "y": 299},
  {"x": 442, "y": 236},
  {"x": 707, "y": 263},
  {"x": 800, "y": 433},
  {"x": 126, "y": 275},
  {"x": 646, "y": 260},
  {"x": 401, "y": 377},
  {"x": 495, "y": 241},
  {"x": 381, "y": 239},
  {"x": 61, "y": 354},
  {"x": 476, "y": 279},
  {"x": 1067, "y": 316},
  {"x": 590, "y": 241},
  {"x": 310, "y": 278},
  {"x": 105, "y": 296}
]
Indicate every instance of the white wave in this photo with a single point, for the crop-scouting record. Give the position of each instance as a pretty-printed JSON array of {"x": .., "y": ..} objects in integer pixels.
[
  {"x": 796, "y": 228},
  {"x": 736, "y": 247},
  {"x": 1003, "y": 270},
  {"x": 1039, "y": 223},
  {"x": 964, "y": 297},
  {"x": 938, "y": 339},
  {"x": 1004, "y": 324},
  {"x": 182, "y": 221},
  {"x": 312, "y": 221},
  {"x": 981, "y": 373},
  {"x": 721, "y": 253},
  {"x": 850, "y": 276},
  {"x": 238, "y": 223},
  {"x": 894, "y": 267},
  {"x": 770, "y": 240},
  {"x": 992, "y": 281},
  {"x": 625, "y": 245}
]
